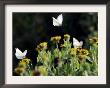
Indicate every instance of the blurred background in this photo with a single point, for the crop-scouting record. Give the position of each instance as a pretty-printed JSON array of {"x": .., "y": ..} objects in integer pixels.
[{"x": 30, "y": 29}]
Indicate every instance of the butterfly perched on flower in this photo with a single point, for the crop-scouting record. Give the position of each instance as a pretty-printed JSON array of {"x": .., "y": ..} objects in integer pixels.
[
  {"x": 58, "y": 21},
  {"x": 76, "y": 43},
  {"x": 19, "y": 54}
]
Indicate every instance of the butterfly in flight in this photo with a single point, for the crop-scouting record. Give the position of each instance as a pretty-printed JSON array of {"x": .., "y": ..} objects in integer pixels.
[
  {"x": 19, "y": 54},
  {"x": 58, "y": 21},
  {"x": 76, "y": 43}
]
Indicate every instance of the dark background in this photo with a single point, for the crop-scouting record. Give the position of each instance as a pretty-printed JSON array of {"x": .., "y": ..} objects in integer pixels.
[{"x": 30, "y": 29}]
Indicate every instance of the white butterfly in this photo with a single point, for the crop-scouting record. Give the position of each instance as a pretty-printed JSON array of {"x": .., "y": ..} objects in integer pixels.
[
  {"x": 58, "y": 21},
  {"x": 19, "y": 54},
  {"x": 76, "y": 43}
]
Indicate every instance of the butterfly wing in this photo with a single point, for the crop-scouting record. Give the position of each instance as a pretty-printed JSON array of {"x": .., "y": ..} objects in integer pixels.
[
  {"x": 81, "y": 43},
  {"x": 24, "y": 53},
  {"x": 19, "y": 57},
  {"x": 19, "y": 54},
  {"x": 76, "y": 43},
  {"x": 18, "y": 51},
  {"x": 55, "y": 22},
  {"x": 75, "y": 40},
  {"x": 60, "y": 19}
]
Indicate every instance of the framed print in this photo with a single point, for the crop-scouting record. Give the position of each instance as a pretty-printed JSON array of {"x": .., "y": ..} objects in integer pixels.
[{"x": 56, "y": 44}]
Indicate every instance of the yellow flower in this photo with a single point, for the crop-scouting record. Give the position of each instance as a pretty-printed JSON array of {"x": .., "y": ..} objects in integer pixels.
[
  {"x": 93, "y": 40},
  {"x": 22, "y": 64},
  {"x": 26, "y": 60},
  {"x": 56, "y": 39},
  {"x": 78, "y": 50},
  {"x": 19, "y": 70},
  {"x": 42, "y": 46},
  {"x": 82, "y": 57},
  {"x": 66, "y": 36},
  {"x": 83, "y": 52},
  {"x": 73, "y": 51}
]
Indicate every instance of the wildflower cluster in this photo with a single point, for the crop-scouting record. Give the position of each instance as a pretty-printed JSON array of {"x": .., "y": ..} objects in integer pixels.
[
  {"x": 42, "y": 46},
  {"x": 56, "y": 39},
  {"x": 23, "y": 67},
  {"x": 63, "y": 60}
]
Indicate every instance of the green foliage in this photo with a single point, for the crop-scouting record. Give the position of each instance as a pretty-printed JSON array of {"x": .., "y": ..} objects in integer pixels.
[{"x": 65, "y": 59}]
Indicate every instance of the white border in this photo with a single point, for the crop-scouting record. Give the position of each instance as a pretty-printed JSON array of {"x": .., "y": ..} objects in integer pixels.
[{"x": 100, "y": 79}]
